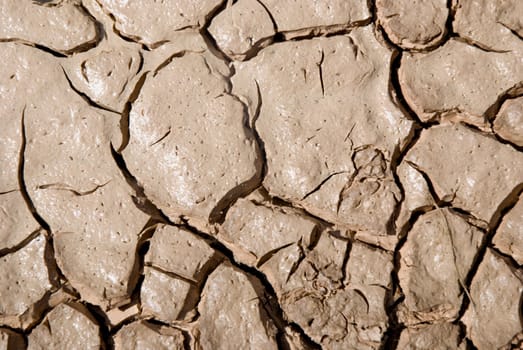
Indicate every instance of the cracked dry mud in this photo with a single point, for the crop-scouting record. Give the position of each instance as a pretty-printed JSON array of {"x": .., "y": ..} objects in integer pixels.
[{"x": 261, "y": 174}]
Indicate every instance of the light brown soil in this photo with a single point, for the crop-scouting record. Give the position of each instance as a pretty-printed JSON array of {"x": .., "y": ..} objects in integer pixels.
[{"x": 261, "y": 174}]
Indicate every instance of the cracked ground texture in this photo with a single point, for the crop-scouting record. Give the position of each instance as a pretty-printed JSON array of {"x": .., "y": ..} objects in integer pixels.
[{"x": 261, "y": 174}]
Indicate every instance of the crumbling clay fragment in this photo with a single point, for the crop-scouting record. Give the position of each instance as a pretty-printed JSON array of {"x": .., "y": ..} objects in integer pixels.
[
  {"x": 417, "y": 24},
  {"x": 494, "y": 315},
  {"x": 437, "y": 336},
  {"x": 231, "y": 314},
  {"x": 509, "y": 121},
  {"x": 67, "y": 326},
  {"x": 142, "y": 335}
]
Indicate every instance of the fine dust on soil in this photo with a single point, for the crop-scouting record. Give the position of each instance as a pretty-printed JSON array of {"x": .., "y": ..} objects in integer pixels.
[{"x": 261, "y": 174}]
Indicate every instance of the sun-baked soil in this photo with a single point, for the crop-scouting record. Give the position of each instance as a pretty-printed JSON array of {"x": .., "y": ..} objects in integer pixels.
[{"x": 261, "y": 174}]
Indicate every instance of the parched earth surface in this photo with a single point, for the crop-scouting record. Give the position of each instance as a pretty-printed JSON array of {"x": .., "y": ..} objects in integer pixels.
[{"x": 261, "y": 174}]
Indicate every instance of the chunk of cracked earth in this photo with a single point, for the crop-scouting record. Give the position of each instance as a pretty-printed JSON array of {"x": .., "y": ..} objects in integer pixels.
[
  {"x": 153, "y": 23},
  {"x": 301, "y": 18},
  {"x": 65, "y": 28},
  {"x": 343, "y": 80},
  {"x": 67, "y": 326},
  {"x": 231, "y": 313},
  {"x": 242, "y": 27},
  {"x": 417, "y": 195},
  {"x": 509, "y": 235},
  {"x": 259, "y": 231},
  {"x": 10, "y": 340},
  {"x": 492, "y": 25},
  {"x": 73, "y": 181},
  {"x": 107, "y": 74},
  {"x": 418, "y": 24},
  {"x": 493, "y": 316},
  {"x": 189, "y": 146},
  {"x": 311, "y": 291},
  {"x": 478, "y": 177},
  {"x": 435, "y": 261},
  {"x": 164, "y": 296},
  {"x": 25, "y": 282},
  {"x": 438, "y": 336},
  {"x": 180, "y": 252},
  {"x": 445, "y": 81},
  {"x": 141, "y": 335},
  {"x": 509, "y": 121}
]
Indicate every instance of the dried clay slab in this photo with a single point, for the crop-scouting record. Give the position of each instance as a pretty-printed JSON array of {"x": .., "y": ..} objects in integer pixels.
[
  {"x": 67, "y": 326},
  {"x": 418, "y": 24},
  {"x": 331, "y": 150},
  {"x": 189, "y": 146}
]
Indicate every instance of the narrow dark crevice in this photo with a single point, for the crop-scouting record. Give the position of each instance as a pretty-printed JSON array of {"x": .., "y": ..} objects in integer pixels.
[
  {"x": 22, "y": 244},
  {"x": 273, "y": 308},
  {"x": 463, "y": 335},
  {"x": 124, "y": 119},
  {"x": 219, "y": 212},
  {"x": 396, "y": 296},
  {"x": 509, "y": 259},
  {"x": 504, "y": 207},
  {"x": 478, "y": 45},
  {"x": 34, "y": 45},
  {"x": 259, "y": 140},
  {"x": 85, "y": 97},
  {"x": 46, "y": 50},
  {"x": 142, "y": 247},
  {"x": 21, "y": 177},
  {"x": 396, "y": 159},
  {"x": 449, "y": 23},
  {"x": 209, "y": 39},
  {"x": 513, "y": 92},
  {"x": 103, "y": 323},
  {"x": 139, "y": 199},
  {"x": 430, "y": 186},
  {"x": 396, "y": 90},
  {"x": 14, "y": 344},
  {"x": 274, "y": 24}
]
